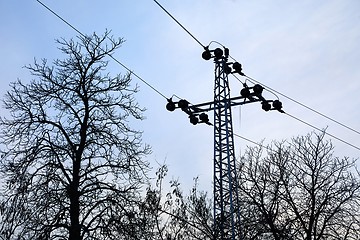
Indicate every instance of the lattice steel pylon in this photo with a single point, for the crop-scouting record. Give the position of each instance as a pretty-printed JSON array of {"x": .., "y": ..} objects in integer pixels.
[
  {"x": 227, "y": 209},
  {"x": 226, "y": 199}
]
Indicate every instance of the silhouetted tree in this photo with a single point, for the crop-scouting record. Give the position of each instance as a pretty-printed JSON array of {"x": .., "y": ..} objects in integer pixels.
[
  {"x": 299, "y": 190},
  {"x": 172, "y": 215},
  {"x": 72, "y": 166}
]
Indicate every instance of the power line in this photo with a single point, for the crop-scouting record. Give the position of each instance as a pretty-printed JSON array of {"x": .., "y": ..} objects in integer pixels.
[
  {"x": 331, "y": 135},
  {"x": 157, "y": 91},
  {"x": 256, "y": 143},
  {"x": 112, "y": 57},
  {"x": 141, "y": 79},
  {"x": 188, "y": 32},
  {"x": 273, "y": 91},
  {"x": 306, "y": 123},
  {"x": 305, "y": 106},
  {"x": 297, "y": 102},
  {"x": 62, "y": 19},
  {"x": 268, "y": 88}
]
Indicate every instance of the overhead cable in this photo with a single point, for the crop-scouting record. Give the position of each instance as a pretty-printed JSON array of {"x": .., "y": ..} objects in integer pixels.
[
  {"x": 256, "y": 143},
  {"x": 268, "y": 88},
  {"x": 188, "y": 32},
  {"x": 305, "y": 106},
  {"x": 112, "y": 57},
  {"x": 331, "y": 135},
  {"x": 250, "y": 78}
]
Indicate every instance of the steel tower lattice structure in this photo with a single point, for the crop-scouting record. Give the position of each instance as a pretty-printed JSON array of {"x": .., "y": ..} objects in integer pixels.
[
  {"x": 227, "y": 209},
  {"x": 226, "y": 199}
]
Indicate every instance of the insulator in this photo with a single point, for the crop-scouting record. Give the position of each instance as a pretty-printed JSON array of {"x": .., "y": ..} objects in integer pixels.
[
  {"x": 258, "y": 89},
  {"x": 204, "y": 117},
  {"x": 245, "y": 92},
  {"x": 206, "y": 55},
  {"x": 237, "y": 67},
  {"x": 183, "y": 104},
  {"x": 227, "y": 52},
  {"x": 194, "y": 120},
  {"x": 266, "y": 106},
  {"x": 277, "y": 105},
  {"x": 227, "y": 69},
  {"x": 218, "y": 52},
  {"x": 170, "y": 106}
]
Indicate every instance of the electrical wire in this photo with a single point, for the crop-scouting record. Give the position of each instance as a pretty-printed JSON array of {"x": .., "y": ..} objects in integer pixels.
[
  {"x": 112, "y": 57},
  {"x": 238, "y": 79},
  {"x": 331, "y": 135},
  {"x": 188, "y": 32},
  {"x": 216, "y": 43},
  {"x": 250, "y": 78},
  {"x": 256, "y": 143},
  {"x": 265, "y": 87},
  {"x": 307, "y": 107},
  {"x": 183, "y": 220},
  {"x": 271, "y": 90},
  {"x": 174, "y": 95},
  {"x": 300, "y": 120},
  {"x": 306, "y": 123}
]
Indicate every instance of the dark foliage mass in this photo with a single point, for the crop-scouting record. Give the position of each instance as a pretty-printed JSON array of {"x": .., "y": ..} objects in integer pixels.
[{"x": 72, "y": 166}]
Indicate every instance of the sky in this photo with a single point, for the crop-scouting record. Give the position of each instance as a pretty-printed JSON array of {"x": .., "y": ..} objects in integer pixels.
[{"x": 307, "y": 50}]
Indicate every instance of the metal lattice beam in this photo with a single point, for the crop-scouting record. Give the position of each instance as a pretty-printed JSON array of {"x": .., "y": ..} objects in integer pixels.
[{"x": 226, "y": 201}]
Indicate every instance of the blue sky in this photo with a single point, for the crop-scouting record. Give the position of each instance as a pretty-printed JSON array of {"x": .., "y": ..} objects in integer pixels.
[{"x": 307, "y": 50}]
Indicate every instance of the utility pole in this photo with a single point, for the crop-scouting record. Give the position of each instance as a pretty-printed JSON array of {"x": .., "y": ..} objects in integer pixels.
[
  {"x": 227, "y": 209},
  {"x": 226, "y": 199}
]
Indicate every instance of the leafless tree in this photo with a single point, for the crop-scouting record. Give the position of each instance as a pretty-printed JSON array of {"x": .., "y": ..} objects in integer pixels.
[
  {"x": 288, "y": 191},
  {"x": 172, "y": 215},
  {"x": 299, "y": 190},
  {"x": 72, "y": 165}
]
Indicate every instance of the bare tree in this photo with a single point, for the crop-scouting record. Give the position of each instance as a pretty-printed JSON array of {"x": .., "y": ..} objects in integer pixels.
[
  {"x": 171, "y": 214},
  {"x": 72, "y": 165},
  {"x": 299, "y": 190}
]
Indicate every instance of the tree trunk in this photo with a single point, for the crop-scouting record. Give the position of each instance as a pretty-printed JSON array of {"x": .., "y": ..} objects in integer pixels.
[{"x": 75, "y": 229}]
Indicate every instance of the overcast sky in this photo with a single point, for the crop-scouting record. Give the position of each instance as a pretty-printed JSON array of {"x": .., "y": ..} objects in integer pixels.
[{"x": 308, "y": 50}]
